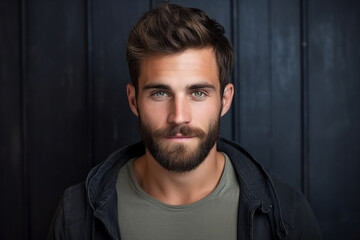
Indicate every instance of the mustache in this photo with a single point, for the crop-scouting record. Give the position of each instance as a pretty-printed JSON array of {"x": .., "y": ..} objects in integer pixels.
[{"x": 184, "y": 130}]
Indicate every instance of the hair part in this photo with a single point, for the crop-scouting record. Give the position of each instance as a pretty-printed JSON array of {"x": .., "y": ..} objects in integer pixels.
[{"x": 171, "y": 29}]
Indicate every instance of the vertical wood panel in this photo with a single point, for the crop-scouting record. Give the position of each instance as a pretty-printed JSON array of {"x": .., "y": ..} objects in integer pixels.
[
  {"x": 114, "y": 125},
  {"x": 268, "y": 121},
  {"x": 88, "y": 29},
  {"x": 334, "y": 113},
  {"x": 285, "y": 90},
  {"x": 254, "y": 131},
  {"x": 12, "y": 223},
  {"x": 56, "y": 107},
  {"x": 304, "y": 27},
  {"x": 235, "y": 28}
]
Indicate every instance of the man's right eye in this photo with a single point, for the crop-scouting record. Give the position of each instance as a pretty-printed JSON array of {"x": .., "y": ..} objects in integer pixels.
[{"x": 159, "y": 94}]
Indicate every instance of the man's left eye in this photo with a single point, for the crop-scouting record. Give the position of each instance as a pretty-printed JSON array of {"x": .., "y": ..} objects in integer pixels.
[{"x": 199, "y": 94}]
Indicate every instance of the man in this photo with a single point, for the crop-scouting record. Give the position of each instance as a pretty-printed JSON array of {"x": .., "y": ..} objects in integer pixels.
[{"x": 181, "y": 182}]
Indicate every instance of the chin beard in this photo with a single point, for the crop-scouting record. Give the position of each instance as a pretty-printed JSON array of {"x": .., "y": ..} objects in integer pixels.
[{"x": 179, "y": 157}]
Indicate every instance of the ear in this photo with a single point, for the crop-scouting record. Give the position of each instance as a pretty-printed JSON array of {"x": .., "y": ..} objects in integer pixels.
[
  {"x": 131, "y": 94},
  {"x": 227, "y": 98}
]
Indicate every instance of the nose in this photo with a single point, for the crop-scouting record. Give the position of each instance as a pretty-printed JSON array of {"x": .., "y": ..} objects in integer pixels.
[{"x": 179, "y": 112}]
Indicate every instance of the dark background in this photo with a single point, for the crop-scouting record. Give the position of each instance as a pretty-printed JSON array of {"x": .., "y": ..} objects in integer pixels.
[{"x": 63, "y": 104}]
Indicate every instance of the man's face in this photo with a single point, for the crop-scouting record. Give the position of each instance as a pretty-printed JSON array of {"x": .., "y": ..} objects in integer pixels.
[{"x": 179, "y": 107}]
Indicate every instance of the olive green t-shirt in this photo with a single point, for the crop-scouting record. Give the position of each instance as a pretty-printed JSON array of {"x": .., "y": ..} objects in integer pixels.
[{"x": 144, "y": 217}]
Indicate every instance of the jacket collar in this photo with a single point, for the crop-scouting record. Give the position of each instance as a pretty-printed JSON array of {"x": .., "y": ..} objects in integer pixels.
[
  {"x": 101, "y": 186},
  {"x": 256, "y": 186}
]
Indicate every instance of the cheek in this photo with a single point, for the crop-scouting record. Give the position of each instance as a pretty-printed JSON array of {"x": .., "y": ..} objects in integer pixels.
[
  {"x": 152, "y": 114},
  {"x": 209, "y": 107},
  {"x": 206, "y": 112}
]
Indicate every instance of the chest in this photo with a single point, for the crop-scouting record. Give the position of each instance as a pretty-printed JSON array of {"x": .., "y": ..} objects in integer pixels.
[{"x": 207, "y": 219}]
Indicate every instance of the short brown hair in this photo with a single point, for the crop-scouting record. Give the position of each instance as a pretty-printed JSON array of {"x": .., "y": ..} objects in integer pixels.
[{"x": 171, "y": 29}]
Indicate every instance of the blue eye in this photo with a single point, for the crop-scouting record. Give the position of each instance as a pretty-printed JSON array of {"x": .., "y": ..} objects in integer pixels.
[
  {"x": 199, "y": 94},
  {"x": 159, "y": 94}
]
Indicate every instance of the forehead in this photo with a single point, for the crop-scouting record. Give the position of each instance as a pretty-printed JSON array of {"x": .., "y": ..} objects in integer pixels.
[{"x": 188, "y": 67}]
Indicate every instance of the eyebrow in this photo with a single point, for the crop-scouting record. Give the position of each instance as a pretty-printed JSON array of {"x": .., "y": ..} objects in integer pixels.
[
  {"x": 156, "y": 86},
  {"x": 201, "y": 86},
  {"x": 190, "y": 87}
]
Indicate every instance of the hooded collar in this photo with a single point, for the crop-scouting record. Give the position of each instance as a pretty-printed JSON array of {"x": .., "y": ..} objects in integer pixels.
[{"x": 256, "y": 186}]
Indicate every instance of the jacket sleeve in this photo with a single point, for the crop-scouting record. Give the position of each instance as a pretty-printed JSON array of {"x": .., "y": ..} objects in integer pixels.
[
  {"x": 305, "y": 223},
  {"x": 297, "y": 213},
  {"x": 57, "y": 227},
  {"x": 70, "y": 219}
]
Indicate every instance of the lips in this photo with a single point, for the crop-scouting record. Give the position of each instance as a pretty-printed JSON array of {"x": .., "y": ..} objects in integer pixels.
[{"x": 179, "y": 138}]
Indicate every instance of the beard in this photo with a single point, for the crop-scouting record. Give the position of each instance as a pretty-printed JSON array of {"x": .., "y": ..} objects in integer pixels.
[{"x": 179, "y": 157}]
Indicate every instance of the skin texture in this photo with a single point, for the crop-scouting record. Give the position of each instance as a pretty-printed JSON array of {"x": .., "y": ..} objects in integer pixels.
[{"x": 174, "y": 91}]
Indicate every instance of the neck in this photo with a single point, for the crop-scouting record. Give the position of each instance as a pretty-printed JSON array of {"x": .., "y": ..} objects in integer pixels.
[{"x": 179, "y": 188}]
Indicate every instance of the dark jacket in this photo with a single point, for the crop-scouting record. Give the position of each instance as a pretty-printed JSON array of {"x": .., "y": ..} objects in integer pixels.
[{"x": 268, "y": 209}]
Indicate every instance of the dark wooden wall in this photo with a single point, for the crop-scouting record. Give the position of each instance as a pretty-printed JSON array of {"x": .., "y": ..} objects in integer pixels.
[{"x": 63, "y": 104}]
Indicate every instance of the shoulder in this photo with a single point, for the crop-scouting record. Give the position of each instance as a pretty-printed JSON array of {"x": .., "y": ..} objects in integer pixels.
[
  {"x": 296, "y": 212},
  {"x": 75, "y": 201},
  {"x": 70, "y": 217}
]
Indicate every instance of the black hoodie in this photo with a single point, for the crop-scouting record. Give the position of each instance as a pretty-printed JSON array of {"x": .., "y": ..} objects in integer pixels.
[{"x": 268, "y": 209}]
